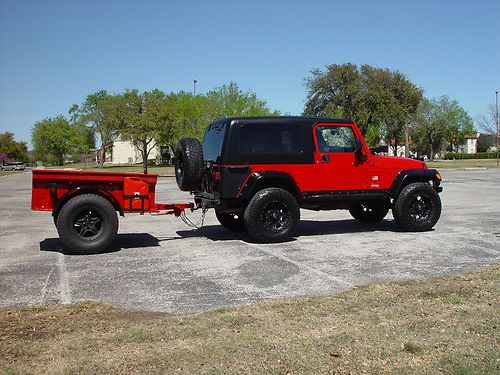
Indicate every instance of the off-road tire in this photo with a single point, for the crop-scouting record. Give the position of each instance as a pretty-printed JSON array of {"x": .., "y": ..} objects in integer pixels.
[
  {"x": 272, "y": 215},
  {"x": 233, "y": 222},
  {"x": 417, "y": 208},
  {"x": 87, "y": 224},
  {"x": 188, "y": 164},
  {"x": 369, "y": 213}
]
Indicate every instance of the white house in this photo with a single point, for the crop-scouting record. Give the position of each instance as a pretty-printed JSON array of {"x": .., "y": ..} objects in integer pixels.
[
  {"x": 469, "y": 144},
  {"x": 125, "y": 152}
]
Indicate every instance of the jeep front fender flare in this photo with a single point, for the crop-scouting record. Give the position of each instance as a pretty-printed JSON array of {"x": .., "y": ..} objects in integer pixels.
[{"x": 405, "y": 177}]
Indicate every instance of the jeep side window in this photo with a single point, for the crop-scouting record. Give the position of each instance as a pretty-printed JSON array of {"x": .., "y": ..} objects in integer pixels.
[
  {"x": 269, "y": 139},
  {"x": 213, "y": 140},
  {"x": 335, "y": 139}
]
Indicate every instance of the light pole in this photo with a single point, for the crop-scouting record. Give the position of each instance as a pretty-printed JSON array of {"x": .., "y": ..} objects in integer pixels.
[
  {"x": 496, "y": 120},
  {"x": 194, "y": 87}
]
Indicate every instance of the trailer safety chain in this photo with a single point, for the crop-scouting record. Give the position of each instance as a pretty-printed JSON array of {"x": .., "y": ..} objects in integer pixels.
[{"x": 189, "y": 223}]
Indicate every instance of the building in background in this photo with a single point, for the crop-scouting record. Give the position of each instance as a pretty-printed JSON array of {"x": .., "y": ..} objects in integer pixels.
[
  {"x": 469, "y": 144},
  {"x": 125, "y": 152}
]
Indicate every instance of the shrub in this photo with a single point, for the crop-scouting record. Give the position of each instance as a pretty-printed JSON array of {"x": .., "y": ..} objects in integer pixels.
[{"x": 477, "y": 155}]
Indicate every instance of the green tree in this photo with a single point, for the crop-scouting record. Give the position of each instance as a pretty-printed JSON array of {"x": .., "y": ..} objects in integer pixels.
[
  {"x": 374, "y": 98},
  {"x": 192, "y": 115},
  {"x": 195, "y": 112},
  {"x": 489, "y": 122},
  {"x": 100, "y": 112},
  {"x": 54, "y": 137},
  {"x": 146, "y": 120},
  {"x": 457, "y": 122},
  {"x": 229, "y": 100},
  {"x": 12, "y": 149},
  {"x": 439, "y": 121},
  {"x": 427, "y": 128}
]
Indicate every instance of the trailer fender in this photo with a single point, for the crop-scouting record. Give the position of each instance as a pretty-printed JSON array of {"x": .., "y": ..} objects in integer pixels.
[{"x": 86, "y": 190}]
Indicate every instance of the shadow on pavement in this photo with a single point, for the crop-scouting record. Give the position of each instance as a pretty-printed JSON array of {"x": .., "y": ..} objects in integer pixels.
[
  {"x": 305, "y": 228},
  {"x": 122, "y": 241}
]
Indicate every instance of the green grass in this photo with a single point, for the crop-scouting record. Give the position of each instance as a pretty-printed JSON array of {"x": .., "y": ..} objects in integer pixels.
[
  {"x": 8, "y": 173},
  {"x": 465, "y": 163},
  {"x": 134, "y": 168},
  {"x": 439, "y": 326}
]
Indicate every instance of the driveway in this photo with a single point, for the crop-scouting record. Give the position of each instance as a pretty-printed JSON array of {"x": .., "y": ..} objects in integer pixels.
[{"x": 157, "y": 263}]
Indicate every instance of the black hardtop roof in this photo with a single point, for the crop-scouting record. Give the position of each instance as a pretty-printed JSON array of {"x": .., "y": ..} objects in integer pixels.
[{"x": 287, "y": 119}]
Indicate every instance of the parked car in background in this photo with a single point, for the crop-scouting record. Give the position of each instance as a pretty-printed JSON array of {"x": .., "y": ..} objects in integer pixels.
[{"x": 14, "y": 166}]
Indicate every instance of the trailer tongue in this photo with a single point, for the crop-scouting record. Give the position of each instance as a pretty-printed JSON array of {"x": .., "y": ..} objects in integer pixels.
[{"x": 84, "y": 204}]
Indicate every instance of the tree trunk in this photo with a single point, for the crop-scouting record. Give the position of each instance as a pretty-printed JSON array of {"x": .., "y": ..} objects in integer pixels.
[
  {"x": 407, "y": 141},
  {"x": 396, "y": 142},
  {"x": 103, "y": 155},
  {"x": 431, "y": 147},
  {"x": 145, "y": 156},
  {"x": 60, "y": 160}
]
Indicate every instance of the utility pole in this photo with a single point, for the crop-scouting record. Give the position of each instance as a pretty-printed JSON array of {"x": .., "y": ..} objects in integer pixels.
[
  {"x": 496, "y": 121},
  {"x": 407, "y": 141},
  {"x": 194, "y": 87}
]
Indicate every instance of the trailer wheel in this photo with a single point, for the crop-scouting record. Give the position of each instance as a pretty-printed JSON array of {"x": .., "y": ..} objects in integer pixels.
[
  {"x": 188, "y": 164},
  {"x": 272, "y": 215},
  {"x": 87, "y": 224}
]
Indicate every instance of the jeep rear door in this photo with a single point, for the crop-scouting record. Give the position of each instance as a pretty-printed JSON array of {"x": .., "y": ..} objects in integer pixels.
[{"x": 336, "y": 162}]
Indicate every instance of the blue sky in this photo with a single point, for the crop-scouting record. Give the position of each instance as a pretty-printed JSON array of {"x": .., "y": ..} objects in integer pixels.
[{"x": 53, "y": 53}]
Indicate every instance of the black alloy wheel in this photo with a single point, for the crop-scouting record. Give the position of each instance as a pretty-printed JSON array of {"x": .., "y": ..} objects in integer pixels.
[
  {"x": 417, "y": 207},
  {"x": 420, "y": 208},
  {"x": 272, "y": 215},
  {"x": 275, "y": 216},
  {"x": 87, "y": 222}
]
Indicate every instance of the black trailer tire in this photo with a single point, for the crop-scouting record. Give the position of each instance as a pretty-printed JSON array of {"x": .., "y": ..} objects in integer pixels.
[
  {"x": 369, "y": 212},
  {"x": 272, "y": 215},
  {"x": 233, "y": 222},
  {"x": 188, "y": 164},
  {"x": 417, "y": 208},
  {"x": 87, "y": 224}
]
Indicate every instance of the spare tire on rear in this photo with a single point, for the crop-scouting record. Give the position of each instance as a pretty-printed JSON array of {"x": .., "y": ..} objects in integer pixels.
[{"x": 188, "y": 164}]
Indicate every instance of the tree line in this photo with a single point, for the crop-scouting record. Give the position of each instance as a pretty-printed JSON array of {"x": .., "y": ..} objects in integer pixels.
[
  {"x": 387, "y": 106},
  {"x": 10, "y": 149},
  {"x": 147, "y": 119}
]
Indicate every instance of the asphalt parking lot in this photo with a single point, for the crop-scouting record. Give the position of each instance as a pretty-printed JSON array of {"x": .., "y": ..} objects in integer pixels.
[{"x": 157, "y": 263}]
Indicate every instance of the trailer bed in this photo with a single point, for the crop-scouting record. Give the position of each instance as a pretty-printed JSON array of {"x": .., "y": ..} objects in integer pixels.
[{"x": 84, "y": 203}]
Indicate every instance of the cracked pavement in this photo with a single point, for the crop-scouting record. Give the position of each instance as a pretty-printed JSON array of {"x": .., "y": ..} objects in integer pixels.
[{"x": 157, "y": 263}]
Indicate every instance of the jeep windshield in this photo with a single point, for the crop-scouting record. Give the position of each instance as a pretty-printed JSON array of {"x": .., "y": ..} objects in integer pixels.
[{"x": 213, "y": 141}]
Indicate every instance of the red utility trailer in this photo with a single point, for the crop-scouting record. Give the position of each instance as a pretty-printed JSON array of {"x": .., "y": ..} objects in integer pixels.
[{"x": 84, "y": 204}]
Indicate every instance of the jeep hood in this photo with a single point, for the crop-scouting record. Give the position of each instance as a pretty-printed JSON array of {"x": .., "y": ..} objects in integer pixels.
[{"x": 398, "y": 162}]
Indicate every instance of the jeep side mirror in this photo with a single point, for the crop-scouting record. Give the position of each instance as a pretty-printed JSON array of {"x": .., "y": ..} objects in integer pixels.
[
  {"x": 379, "y": 149},
  {"x": 358, "y": 149}
]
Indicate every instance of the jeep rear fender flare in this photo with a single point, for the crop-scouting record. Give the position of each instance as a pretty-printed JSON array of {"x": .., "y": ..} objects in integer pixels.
[
  {"x": 269, "y": 179},
  {"x": 406, "y": 177}
]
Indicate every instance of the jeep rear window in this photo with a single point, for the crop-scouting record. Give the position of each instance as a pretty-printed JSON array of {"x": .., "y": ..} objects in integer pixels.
[
  {"x": 270, "y": 139},
  {"x": 213, "y": 141}
]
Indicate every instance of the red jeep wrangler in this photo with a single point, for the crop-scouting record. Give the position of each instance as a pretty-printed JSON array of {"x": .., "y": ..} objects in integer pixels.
[{"x": 257, "y": 172}]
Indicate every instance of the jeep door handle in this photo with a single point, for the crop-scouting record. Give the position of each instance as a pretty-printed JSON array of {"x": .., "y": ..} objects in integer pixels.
[{"x": 325, "y": 158}]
